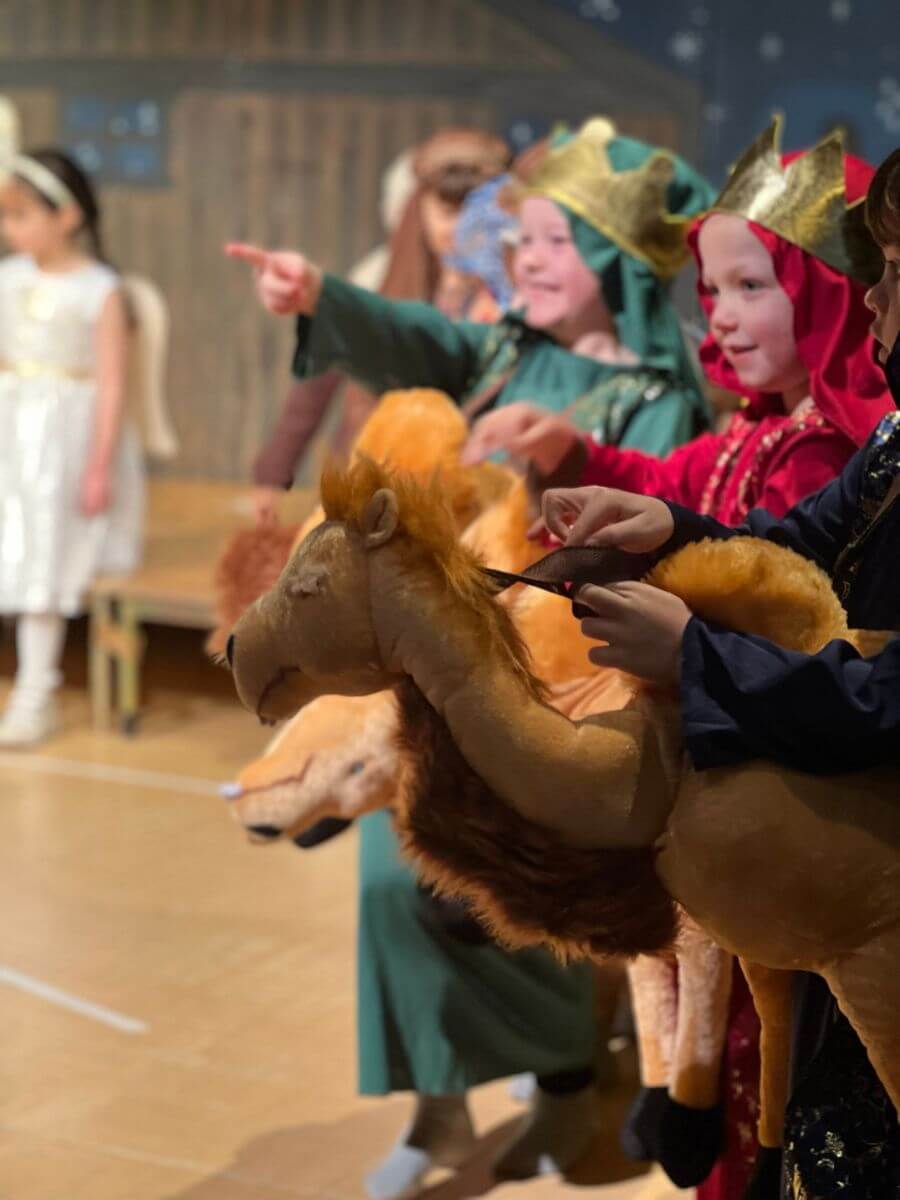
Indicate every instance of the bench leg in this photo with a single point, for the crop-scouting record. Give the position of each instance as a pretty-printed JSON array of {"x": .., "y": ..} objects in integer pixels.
[
  {"x": 128, "y": 665},
  {"x": 100, "y": 662}
]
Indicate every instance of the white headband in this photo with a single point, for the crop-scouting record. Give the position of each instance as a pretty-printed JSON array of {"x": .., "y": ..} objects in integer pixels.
[{"x": 41, "y": 179}]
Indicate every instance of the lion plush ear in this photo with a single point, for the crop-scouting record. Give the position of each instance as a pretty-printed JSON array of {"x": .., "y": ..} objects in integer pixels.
[{"x": 379, "y": 521}]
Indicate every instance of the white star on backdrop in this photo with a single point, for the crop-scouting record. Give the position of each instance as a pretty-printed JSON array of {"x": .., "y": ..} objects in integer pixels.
[
  {"x": 887, "y": 106},
  {"x": 606, "y": 10},
  {"x": 771, "y": 47},
  {"x": 686, "y": 45}
]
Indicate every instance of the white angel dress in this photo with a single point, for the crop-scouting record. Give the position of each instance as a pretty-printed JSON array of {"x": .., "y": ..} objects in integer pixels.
[{"x": 49, "y": 551}]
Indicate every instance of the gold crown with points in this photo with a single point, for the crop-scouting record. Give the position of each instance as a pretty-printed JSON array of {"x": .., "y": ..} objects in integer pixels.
[
  {"x": 804, "y": 202},
  {"x": 628, "y": 207}
]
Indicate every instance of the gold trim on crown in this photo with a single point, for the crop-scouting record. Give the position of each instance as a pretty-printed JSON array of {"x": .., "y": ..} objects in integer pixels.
[
  {"x": 628, "y": 207},
  {"x": 804, "y": 202}
]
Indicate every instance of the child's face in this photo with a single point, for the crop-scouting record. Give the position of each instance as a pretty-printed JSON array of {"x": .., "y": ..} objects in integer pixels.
[
  {"x": 752, "y": 318},
  {"x": 552, "y": 280},
  {"x": 884, "y": 301},
  {"x": 29, "y": 226}
]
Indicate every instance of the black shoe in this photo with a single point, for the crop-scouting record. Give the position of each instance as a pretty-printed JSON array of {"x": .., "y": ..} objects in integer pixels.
[
  {"x": 765, "y": 1182},
  {"x": 690, "y": 1142},
  {"x": 639, "y": 1135}
]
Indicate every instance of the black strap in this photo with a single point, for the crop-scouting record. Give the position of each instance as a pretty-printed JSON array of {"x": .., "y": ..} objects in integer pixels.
[{"x": 564, "y": 571}]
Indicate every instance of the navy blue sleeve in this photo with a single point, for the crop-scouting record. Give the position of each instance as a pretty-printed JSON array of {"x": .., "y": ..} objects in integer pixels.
[
  {"x": 744, "y": 697},
  {"x": 818, "y": 527}
]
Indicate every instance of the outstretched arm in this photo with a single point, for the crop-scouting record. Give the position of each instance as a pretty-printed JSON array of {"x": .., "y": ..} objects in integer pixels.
[
  {"x": 383, "y": 343},
  {"x": 386, "y": 343},
  {"x": 560, "y": 454}
]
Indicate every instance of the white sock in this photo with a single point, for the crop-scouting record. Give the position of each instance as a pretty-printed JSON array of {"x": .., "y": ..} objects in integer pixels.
[
  {"x": 441, "y": 1135},
  {"x": 553, "y": 1136},
  {"x": 40, "y": 638}
]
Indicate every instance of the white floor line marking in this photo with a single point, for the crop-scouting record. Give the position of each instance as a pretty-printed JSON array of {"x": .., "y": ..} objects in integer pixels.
[
  {"x": 84, "y": 1008},
  {"x": 109, "y": 773}
]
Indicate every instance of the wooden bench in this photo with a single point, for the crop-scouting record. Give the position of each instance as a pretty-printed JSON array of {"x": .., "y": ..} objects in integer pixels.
[{"x": 188, "y": 524}]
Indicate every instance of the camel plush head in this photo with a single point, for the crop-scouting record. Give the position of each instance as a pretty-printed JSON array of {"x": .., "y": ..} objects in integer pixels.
[
  {"x": 313, "y": 634},
  {"x": 338, "y": 757}
]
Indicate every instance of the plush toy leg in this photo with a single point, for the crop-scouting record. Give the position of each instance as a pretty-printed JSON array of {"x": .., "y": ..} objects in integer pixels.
[
  {"x": 704, "y": 994},
  {"x": 691, "y": 1128},
  {"x": 771, "y": 991},
  {"x": 654, "y": 1004},
  {"x": 866, "y": 986}
]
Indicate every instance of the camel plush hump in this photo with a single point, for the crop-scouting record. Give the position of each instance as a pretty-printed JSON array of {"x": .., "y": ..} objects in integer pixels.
[{"x": 754, "y": 586}]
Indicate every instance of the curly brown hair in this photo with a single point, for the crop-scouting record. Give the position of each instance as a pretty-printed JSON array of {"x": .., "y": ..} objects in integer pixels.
[{"x": 883, "y": 202}]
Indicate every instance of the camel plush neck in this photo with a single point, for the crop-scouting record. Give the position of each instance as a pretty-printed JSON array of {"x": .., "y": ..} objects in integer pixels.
[{"x": 598, "y": 783}]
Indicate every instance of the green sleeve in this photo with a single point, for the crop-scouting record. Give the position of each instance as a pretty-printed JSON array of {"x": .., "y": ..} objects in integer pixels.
[
  {"x": 386, "y": 343},
  {"x": 658, "y": 427}
]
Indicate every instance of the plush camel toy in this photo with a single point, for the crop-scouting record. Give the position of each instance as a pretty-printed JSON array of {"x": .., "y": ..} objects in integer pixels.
[{"x": 587, "y": 836}]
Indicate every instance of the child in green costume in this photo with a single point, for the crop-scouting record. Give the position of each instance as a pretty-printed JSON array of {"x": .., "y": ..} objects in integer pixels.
[
  {"x": 596, "y": 335},
  {"x": 602, "y": 229}
]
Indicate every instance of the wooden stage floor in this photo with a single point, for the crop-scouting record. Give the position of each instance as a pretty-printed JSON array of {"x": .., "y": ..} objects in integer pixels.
[{"x": 123, "y": 884}]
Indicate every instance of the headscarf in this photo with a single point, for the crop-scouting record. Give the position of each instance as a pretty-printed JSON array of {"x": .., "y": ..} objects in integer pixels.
[
  {"x": 831, "y": 329},
  {"x": 637, "y": 298}
]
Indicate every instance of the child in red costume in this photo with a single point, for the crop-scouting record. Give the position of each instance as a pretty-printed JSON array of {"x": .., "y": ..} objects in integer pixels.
[{"x": 790, "y": 334}]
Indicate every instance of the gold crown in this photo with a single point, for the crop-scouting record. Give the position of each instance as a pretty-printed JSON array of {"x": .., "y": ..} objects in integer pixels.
[
  {"x": 804, "y": 202},
  {"x": 628, "y": 207}
]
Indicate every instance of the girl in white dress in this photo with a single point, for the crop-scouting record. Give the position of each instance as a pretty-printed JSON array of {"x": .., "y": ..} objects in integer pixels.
[{"x": 71, "y": 471}]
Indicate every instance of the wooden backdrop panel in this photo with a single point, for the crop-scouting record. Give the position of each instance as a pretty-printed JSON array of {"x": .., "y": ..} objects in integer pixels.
[
  {"x": 289, "y": 171},
  {"x": 375, "y": 31}
]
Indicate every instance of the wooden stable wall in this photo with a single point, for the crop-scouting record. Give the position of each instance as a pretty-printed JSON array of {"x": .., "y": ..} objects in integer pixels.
[
  {"x": 362, "y": 31},
  {"x": 280, "y": 118}
]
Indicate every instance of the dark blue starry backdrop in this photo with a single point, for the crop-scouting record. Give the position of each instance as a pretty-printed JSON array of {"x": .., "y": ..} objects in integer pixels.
[{"x": 822, "y": 62}]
